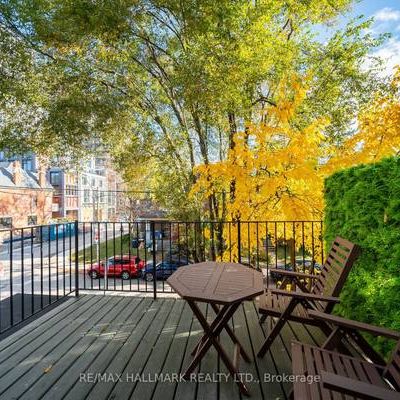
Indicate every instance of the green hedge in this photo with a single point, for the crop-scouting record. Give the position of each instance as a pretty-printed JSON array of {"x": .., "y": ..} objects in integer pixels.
[{"x": 363, "y": 206}]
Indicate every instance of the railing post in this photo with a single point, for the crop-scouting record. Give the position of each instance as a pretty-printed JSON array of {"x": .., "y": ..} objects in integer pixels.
[
  {"x": 76, "y": 228},
  {"x": 212, "y": 242},
  {"x": 239, "y": 242},
  {"x": 322, "y": 243},
  {"x": 11, "y": 279},
  {"x": 153, "y": 239}
]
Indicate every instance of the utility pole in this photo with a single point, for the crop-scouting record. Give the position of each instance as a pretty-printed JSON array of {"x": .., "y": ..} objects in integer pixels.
[{"x": 95, "y": 204}]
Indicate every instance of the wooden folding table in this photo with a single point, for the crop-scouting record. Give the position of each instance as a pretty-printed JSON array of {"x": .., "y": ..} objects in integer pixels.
[{"x": 224, "y": 286}]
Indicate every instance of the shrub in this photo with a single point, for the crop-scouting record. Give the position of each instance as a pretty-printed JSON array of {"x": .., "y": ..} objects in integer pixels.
[{"x": 363, "y": 206}]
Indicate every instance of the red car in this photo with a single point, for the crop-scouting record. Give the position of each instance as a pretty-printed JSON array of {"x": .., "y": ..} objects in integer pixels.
[{"x": 124, "y": 267}]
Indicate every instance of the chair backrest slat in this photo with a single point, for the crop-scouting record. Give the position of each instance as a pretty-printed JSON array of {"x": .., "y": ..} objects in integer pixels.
[
  {"x": 393, "y": 369},
  {"x": 335, "y": 270}
]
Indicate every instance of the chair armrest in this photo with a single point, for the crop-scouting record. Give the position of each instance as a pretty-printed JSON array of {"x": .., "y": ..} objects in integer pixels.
[
  {"x": 353, "y": 387},
  {"x": 355, "y": 325},
  {"x": 306, "y": 296},
  {"x": 292, "y": 273}
]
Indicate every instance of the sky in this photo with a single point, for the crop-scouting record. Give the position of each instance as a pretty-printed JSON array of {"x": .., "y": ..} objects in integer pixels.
[{"x": 386, "y": 14}]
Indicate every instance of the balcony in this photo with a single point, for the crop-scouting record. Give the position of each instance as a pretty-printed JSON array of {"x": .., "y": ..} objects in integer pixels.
[
  {"x": 130, "y": 338},
  {"x": 120, "y": 347}
]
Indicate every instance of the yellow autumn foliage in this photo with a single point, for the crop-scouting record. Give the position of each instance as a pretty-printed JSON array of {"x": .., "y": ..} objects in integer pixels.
[
  {"x": 277, "y": 167},
  {"x": 378, "y": 133}
]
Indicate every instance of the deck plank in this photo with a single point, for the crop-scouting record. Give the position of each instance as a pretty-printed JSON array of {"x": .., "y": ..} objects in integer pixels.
[
  {"x": 227, "y": 389},
  {"x": 81, "y": 388},
  {"x": 159, "y": 352},
  {"x": 259, "y": 366},
  {"x": 208, "y": 367},
  {"x": 137, "y": 340},
  {"x": 281, "y": 347},
  {"x": 174, "y": 359},
  {"x": 280, "y": 354},
  {"x": 29, "y": 355},
  {"x": 61, "y": 377},
  {"x": 137, "y": 362},
  {"x": 37, "y": 382},
  {"x": 187, "y": 389},
  {"x": 310, "y": 334},
  {"x": 47, "y": 355},
  {"x": 36, "y": 328},
  {"x": 135, "y": 335},
  {"x": 249, "y": 370},
  {"x": 49, "y": 311}
]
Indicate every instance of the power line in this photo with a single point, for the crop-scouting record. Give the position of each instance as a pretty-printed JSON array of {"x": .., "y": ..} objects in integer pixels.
[
  {"x": 52, "y": 192},
  {"x": 109, "y": 191}
]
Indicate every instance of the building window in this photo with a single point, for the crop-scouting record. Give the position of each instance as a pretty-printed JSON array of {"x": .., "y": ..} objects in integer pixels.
[
  {"x": 34, "y": 202},
  {"x": 5, "y": 222},
  {"x": 55, "y": 178},
  {"x": 71, "y": 190},
  {"x": 32, "y": 220},
  {"x": 27, "y": 163},
  {"x": 86, "y": 196}
]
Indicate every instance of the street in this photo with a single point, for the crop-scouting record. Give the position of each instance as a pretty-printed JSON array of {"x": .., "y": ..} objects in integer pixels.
[
  {"x": 37, "y": 275},
  {"x": 42, "y": 267},
  {"x": 49, "y": 269}
]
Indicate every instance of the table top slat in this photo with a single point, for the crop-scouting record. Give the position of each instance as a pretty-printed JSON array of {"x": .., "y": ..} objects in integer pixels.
[{"x": 217, "y": 282}]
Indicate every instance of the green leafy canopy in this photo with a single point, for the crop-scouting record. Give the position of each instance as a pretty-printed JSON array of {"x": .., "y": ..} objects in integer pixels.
[{"x": 167, "y": 83}]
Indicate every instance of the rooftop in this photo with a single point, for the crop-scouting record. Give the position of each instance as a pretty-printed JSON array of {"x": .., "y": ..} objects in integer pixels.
[{"x": 29, "y": 179}]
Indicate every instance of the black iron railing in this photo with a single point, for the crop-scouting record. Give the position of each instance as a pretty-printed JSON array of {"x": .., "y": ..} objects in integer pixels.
[
  {"x": 42, "y": 265},
  {"x": 139, "y": 256},
  {"x": 36, "y": 270}
]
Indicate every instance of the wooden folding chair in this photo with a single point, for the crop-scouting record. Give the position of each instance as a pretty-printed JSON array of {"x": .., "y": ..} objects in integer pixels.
[
  {"x": 325, "y": 289},
  {"x": 321, "y": 373}
]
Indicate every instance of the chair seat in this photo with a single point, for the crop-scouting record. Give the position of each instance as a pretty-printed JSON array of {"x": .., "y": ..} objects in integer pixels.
[
  {"x": 310, "y": 361},
  {"x": 274, "y": 305}
]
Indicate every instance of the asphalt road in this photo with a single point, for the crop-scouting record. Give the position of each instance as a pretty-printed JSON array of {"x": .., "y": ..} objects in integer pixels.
[
  {"x": 52, "y": 247},
  {"x": 38, "y": 268},
  {"x": 48, "y": 270}
]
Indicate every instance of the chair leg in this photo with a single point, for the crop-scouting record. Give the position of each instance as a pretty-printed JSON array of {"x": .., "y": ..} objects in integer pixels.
[
  {"x": 332, "y": 341},
  {"x": 271, "y": 337},
  {"x": 277, "y": 328},
  {"x": 263, "y": 318}
]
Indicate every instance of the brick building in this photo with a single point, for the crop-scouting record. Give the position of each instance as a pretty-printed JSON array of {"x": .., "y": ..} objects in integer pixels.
[
  {"x": 25, "y": 197},
  {"x": 66, "y": 193},
  {"x": 94, "y": 191}
]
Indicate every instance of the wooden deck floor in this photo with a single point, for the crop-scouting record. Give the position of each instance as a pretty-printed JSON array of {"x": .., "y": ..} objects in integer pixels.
[{"x": 131, "y": 340}]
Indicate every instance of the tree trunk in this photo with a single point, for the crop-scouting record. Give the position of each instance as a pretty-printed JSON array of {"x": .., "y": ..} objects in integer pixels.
[{"x": 232, "y": 133}]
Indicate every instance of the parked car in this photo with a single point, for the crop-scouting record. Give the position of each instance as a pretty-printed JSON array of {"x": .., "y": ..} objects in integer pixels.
[
  {"x": 135, "y": 243},
  {"x": 277, "y": 276},
  {"x": 164, "y": 269},
  {"x": 300, "y": 265},
  {"x": 124, "y": 267}
]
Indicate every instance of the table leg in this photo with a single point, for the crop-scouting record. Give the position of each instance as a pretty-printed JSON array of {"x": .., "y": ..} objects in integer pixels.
[
  {"x": 211, "y": 338},
  {"x": 233, "y": 337},
  {"x": 230, "y": 333},
  {"x": 205, "y": 336}
]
